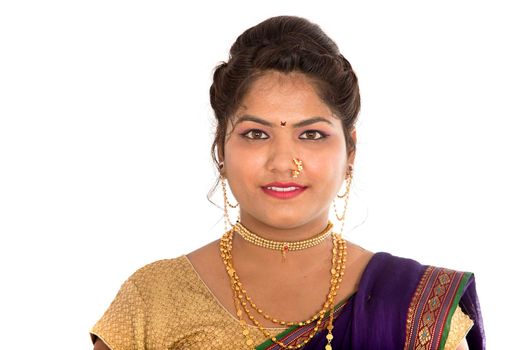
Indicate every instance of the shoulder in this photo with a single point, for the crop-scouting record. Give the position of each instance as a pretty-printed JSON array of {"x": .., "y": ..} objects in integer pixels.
[
  {"x": 131, "y": 311},
  {"x": 160, "y": 266},
  {"x": 165, "y": 274},
  {"x": 400, "y": 280},
  {"x": 386, "y": 271},
  {"x": 386, "y": 265}
]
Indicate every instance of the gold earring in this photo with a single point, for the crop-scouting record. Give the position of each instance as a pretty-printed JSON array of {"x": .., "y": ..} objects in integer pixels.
[
  {"x": 298, "y": 164},
  {"x": 223, "y": 180},
  {"x": 348, "y": 175},
  {"x": 345, "y": 196},
  {"x": 227, "y": 219}
]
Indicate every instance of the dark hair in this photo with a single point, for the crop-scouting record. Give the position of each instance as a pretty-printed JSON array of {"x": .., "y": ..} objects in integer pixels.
[{"x": 285, "y": 44}]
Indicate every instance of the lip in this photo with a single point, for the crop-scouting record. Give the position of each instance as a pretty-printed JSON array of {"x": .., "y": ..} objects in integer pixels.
[{"x": 284, "y": 195}]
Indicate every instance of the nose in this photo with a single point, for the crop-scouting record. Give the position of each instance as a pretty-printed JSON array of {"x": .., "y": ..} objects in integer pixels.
[{"x": 280, "y": 159}]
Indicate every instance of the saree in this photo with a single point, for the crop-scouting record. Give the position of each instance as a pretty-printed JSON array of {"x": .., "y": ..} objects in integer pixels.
[{"x": 400, "y": 304}]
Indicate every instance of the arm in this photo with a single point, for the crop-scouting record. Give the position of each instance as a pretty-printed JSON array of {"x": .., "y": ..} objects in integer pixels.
[
  {"x": 462, "y": 346},
  {"x": 100, "y": 345},
  {"x": 122, "y": 325}
]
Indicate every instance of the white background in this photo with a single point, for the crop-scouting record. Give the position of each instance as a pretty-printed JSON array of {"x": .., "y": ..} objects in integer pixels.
[{"x": 105, "y": 131}]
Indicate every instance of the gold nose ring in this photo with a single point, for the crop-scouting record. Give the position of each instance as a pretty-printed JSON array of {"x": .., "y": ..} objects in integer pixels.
[{"x": 298, "y": 164}]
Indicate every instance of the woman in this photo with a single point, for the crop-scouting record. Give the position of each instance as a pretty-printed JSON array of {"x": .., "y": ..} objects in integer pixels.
[{"x": 286, "y": 104}]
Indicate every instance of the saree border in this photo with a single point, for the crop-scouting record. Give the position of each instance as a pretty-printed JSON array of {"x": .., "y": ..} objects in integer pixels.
[
  {"x": 432, "y": 306},
  {"x": 297, "y": 334}
]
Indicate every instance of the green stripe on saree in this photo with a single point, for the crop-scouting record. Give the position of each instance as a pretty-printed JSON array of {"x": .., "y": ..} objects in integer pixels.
[{"x": 298, "y": 334}]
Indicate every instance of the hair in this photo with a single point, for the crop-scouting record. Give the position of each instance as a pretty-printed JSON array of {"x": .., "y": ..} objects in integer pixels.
[{"x": 286, "y": 44}]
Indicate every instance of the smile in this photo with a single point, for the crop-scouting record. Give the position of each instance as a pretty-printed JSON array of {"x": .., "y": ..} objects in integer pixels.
[{"x": 283, "y": 191}]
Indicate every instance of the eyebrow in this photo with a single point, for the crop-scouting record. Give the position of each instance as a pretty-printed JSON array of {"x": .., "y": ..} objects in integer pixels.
[{"x": 255, "y": 119}]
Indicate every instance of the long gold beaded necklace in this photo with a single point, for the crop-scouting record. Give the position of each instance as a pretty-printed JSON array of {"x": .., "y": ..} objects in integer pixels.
[{"x": 242, "y": 299}]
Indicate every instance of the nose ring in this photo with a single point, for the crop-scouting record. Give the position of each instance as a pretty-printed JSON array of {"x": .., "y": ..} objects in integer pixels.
[{"x": 298, "y": 164}]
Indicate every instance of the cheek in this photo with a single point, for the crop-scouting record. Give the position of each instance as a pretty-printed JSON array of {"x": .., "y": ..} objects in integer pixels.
[
  {"x": 241, "y": 163},
  {"x": 329, "y": 163},
  {"x": 326, "y": 176}
]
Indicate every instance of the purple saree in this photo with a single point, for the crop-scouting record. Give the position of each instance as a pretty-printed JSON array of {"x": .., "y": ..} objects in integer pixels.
[{"x": 400, "y": 304}]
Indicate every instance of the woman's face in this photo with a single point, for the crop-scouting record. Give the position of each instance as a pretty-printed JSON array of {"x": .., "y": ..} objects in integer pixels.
[{"x": 259, "y": 152}]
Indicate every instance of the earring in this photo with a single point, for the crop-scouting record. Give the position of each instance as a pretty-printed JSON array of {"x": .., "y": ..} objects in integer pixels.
[
  {"x": 223, "y": 181},
  {"x": 348, "y": 175},
  {"x": 227, "y": 219},
  {"x": 345, "y": 196},
  {"x": 298, "y": 164}
]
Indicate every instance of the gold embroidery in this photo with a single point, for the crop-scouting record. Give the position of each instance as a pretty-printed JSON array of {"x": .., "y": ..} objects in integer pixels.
[
  {"x": 424, "y": 335},
  {"x": 414, "y": 304},
  {"x": 427, "y": 313}
]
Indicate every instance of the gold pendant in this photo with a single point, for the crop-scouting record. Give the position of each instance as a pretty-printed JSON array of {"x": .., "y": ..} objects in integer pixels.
[{"x": 285, "y": 249}]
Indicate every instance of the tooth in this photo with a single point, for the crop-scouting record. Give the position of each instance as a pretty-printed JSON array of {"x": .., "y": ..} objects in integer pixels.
[{"x": 282, "y": 189}]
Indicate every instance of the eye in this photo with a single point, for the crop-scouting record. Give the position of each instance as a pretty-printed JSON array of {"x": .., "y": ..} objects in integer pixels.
[
  {"x": 312, "y": 135},
  {"x": 255, "y": 134}
]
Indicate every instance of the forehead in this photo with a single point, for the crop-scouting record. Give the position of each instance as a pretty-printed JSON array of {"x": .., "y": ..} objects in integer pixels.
[
  {"x": 277, "y": 95},
  {"x": 274, "y": 80},
  {"x": 272, "y": 85}
]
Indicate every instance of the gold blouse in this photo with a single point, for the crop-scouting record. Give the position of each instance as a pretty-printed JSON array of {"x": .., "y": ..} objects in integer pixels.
[
  {"x": 460, "y": 326},
  {"x": 168, "y": 302}
]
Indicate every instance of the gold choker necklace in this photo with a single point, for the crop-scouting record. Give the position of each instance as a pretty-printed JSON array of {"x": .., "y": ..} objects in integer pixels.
[{"x": 283, "y": 247}]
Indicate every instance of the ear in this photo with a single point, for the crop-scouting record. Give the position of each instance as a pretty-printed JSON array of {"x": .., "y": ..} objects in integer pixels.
[
  {"x": 220, "y": 159},
  {"x": 351, "y": 157},
  {"x": 220, "y": 153}
]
